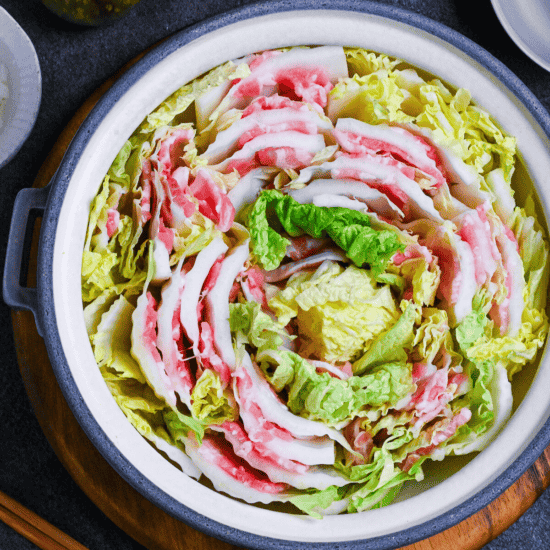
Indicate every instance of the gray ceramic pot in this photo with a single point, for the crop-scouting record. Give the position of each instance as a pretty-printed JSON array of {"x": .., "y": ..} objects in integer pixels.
[{"x": 449, "y": 494}]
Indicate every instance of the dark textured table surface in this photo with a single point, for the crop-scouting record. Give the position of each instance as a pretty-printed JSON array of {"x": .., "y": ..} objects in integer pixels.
[{"x": 75, "y": 61}]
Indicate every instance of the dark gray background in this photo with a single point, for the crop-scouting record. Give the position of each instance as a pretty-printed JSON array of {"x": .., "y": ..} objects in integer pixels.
[{"x": 75, "y": 61}]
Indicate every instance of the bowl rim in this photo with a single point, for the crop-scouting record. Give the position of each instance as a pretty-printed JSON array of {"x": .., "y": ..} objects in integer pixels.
[{"x": 46, "y": 298}]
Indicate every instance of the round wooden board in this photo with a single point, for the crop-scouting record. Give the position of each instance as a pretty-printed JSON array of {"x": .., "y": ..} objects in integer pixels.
[{"x": 123, "y": 504}]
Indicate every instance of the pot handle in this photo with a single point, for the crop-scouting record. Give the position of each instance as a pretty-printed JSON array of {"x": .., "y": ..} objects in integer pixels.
[{"x": 16, "y": 296}]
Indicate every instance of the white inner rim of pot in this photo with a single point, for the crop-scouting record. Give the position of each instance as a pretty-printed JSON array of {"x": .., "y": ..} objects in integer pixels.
[{"x": 305, "y": 27}]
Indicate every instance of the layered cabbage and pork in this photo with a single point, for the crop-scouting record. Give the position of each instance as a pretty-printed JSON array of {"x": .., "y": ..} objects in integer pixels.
[{"x": 305, "y": 275}]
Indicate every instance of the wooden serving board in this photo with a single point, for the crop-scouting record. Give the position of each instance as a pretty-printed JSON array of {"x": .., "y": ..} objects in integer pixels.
[{"x": 123, "y": 504}]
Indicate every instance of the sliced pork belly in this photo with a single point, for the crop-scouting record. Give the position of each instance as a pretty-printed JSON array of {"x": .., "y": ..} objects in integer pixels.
[
  {"x": 456, "y": 260},
  {"x": 457, "y": 264},
  {"x": 278, "y": 469},
  {"x": 365, "y": 195},
  {"x": 463, "y": 180},
  {"x": 209, "y": 356},
  {"x": 213, "y": 202},
  {"x": 161, "y": 236},
  {"x": 144, "y": 348},
  {"x": 285, "y": 150},
  {"x": 160, "y": 231},
  {"x": 257, "y": 403},
  {"x": 207, "y": 101},
  {"x": 359, "y": 137},
  {"x": 217, "y": 303},
  {"x": 278, "y": 102},
  {"x": 204, "y": 261},
  {"x": 253, "y": 286},
  {"x": 147, "y": 180},
  {"x": 474, "y": 228},
  {"x": 432, "y": 394},
  {"x": 255, "y": 452},
  {"x": 436, "y": 434},
  {"x": 142, "y": 202},
  {"x": 169, "y": 186},
  {"x": 230, "y": 474},
  {"x": 167, "y": 161},
  {"x": 508, "y": 313},
  {"x": 382, "y": 173},
  {"x": 306, "y": 73},
  {"x": 278, "y": 413},
  {"x": 290, "y": 116},
  {"x": 515, "y": 283},
  {"x": 272, "y": 131},
  {"x": 170, "y": 333}
]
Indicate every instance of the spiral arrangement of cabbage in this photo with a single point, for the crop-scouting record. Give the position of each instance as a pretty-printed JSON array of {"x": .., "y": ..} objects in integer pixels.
[{"x": 305, "y": 274}]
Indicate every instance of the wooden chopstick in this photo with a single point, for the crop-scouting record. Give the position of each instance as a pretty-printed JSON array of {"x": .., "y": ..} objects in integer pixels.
[{"x": 33, "y": 527}]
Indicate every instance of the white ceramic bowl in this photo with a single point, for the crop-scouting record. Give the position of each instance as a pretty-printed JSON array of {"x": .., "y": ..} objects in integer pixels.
[
  {"x": 447, "y": 495},
  {"x": 527, "y": 23},
  {"x": 20, "y": 110}
]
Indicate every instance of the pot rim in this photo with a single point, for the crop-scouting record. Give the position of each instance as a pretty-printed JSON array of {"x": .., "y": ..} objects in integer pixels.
[{"x": 46, "y": 297}]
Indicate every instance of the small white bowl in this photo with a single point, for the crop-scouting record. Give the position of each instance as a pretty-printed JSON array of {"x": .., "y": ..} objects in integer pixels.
[
  {"x": 20, "y": 110},
  {"x": 527, "y": 22}
]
